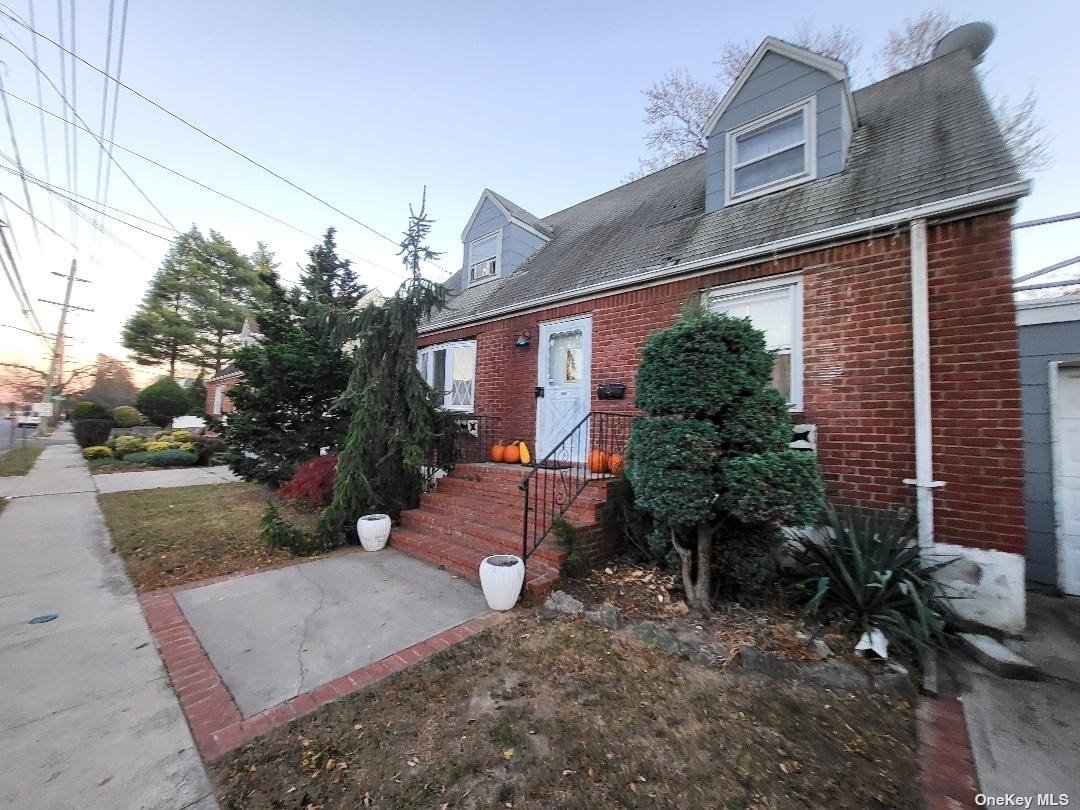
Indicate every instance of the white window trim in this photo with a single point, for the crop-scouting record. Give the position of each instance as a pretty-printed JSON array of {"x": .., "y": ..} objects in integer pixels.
[
  {"x": 808, "y": 107},
  {"x": 498, "y": 257},
  {"x": 425, "y": 361},
  {"x": 794, "y": 283}
]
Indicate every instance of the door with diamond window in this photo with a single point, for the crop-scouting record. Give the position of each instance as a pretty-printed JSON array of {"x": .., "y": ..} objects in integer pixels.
[{"x": 563, "y": 375}]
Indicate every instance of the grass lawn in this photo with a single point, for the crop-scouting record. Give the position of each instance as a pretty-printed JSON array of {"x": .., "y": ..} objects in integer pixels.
[
  {"x": 183, "y": 534},
  {"x": 568, "y": 715},
  {"x": 19, "y": 460}
]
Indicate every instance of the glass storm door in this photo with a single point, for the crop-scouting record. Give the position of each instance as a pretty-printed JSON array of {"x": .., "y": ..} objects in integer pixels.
[{"x": 563, "y": 367}]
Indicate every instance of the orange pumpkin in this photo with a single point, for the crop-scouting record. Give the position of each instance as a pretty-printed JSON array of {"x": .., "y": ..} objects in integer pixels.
[
  {"x": 512, "y": 455},
  {"x": 498, "y": 452},
  {"x": 598, "y": 461},
  {"x": 614, "y": 464}
]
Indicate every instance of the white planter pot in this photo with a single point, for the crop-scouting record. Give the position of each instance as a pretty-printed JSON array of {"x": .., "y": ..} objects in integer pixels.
[
  {"x": 374, "y": 530},
  {"x": 501, "y": 576}
]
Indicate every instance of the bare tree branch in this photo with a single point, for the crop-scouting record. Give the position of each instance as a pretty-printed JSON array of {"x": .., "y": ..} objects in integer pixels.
[
  {"x": 1024, "y": 133},
  {"x": 912, "y": 43}
]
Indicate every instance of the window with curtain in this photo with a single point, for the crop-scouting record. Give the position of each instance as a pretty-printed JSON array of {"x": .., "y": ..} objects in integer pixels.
[
  {"x": 772, "y": 153},
  {"x": 450, "y": 368},
  {"x": 777, "y": 311}
]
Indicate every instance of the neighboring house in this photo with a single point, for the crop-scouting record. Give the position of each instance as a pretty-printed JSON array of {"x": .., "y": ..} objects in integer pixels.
[
  {"x": 218, "y": 386},
  {"x": 867, "y": 233},
  {"x": 1050, "y": 376}
]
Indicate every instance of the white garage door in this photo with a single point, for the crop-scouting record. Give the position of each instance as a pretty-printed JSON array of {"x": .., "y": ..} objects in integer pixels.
[{"x": 1067, "y": 475}]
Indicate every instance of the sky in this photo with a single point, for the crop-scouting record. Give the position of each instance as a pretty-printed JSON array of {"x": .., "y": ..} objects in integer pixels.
[{"x": 366, "y": 104}]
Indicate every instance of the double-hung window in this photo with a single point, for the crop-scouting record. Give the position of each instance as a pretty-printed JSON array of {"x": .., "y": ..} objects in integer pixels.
[
  {"x": 774, "y": 307},
  {"x": 450, "y": 369},
  {"x": 484, "y": 257},
  {"x": 773, "y": 152}
]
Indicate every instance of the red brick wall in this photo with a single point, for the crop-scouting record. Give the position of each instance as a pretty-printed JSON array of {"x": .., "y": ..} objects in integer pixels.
[
  {"x": 211, "y": 387},
  {"x": 857, "y": 369}
]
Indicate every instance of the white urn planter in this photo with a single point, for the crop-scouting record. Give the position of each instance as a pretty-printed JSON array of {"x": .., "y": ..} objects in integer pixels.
[
  {"x": 501, "y": 576},
  {"x": 374, "y": 531}
]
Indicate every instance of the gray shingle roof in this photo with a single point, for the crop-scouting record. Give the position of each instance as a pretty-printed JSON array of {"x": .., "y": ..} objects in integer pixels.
[
  {"x": 517, "y": 212},
  {"x": 924, "y": 135}
]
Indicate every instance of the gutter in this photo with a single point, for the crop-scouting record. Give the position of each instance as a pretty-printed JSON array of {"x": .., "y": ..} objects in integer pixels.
[{"x": 646, "y": 275}]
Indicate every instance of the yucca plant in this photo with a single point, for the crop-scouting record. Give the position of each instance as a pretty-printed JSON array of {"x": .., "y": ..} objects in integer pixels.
[{"x": 869, "y": 573}]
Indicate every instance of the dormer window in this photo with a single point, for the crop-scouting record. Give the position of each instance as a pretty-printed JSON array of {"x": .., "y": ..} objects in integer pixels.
[
  {"x": 484, "y": 257},
  {"x": 773, "y": 152}
]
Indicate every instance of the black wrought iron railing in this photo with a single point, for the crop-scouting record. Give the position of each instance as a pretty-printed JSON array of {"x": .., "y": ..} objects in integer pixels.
[
  {"x": 464, "y": 439},
  {"x": 592, "y": 450}
]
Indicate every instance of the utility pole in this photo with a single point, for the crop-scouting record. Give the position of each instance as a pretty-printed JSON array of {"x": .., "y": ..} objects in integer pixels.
[{"x": 56, "y": 369}]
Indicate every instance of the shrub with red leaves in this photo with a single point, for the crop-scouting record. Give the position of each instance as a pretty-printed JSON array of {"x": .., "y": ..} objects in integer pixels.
[{"x": 312, "y": 485}]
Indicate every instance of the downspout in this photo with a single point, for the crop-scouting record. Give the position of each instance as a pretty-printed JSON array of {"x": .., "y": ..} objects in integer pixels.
[{"x": 923, "y": 481}]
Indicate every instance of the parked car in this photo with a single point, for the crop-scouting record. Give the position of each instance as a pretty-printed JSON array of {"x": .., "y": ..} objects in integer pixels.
[{"x": 28, "y": 419}]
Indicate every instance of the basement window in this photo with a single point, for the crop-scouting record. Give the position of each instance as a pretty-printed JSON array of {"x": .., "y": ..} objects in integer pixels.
[
  {"x": 775, "y": 307},
  {"x": 483, "y": 259},
  {"x": 450, "y": 369},
  {"x": 772, "y": 153}
]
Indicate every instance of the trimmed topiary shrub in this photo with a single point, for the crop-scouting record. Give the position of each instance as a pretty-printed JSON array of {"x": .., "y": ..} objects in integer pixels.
[
  {"x": 312, "y": 485},
  {"x": 125, "y": 416},
  {"x": 180, "y": 436},
  {"x": 208, "y": 447},
  {"x": 96, "y": 451},
  {"x": 89, "y": 410},
  {"x": 91, "y": 431},
  {"x": 163, "y": 401},
  {"x": 158, "y": 446},
  {"x": 122, "y": 445},
  {"x": 164, "y": 458},
  {"x": 711, "y": 463}
]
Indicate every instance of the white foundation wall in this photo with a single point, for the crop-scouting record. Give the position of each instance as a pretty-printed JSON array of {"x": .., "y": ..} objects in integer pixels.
[{"x": 989, "y": 584}]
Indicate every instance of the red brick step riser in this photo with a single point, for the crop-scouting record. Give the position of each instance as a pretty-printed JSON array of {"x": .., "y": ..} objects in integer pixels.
[
  {"x": 496, "y": 513},
  {"x": 476, "y": 536}
]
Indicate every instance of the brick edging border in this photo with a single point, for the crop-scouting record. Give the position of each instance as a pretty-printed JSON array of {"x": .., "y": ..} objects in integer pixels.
[
  {"x": 946, "y": 762},
  {"x": 215, "y": 720}
]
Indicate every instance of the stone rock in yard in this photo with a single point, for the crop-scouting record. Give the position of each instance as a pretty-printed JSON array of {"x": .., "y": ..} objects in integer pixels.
[
  {"x": 819, "y": 648},
  {"x": 607, "y": 616},
  {"x": 560, "y": 603},
  {"x": 754, "y": 661},
  {"x": 897, "y": 684},
  {"x": 837, "y": 674}
]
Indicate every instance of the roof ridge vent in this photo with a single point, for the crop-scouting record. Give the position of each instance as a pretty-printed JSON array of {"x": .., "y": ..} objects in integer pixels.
[{"x": 973, "y": 37}]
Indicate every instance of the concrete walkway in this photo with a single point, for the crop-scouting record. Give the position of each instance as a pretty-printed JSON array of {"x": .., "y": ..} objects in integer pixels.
[
  {"x": 87, "y": 716},
  {"x": 1026, "y": 735},
  {"x": 157, "y": 479}
]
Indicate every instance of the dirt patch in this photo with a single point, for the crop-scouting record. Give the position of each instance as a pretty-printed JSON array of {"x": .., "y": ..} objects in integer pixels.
[
  {"x": 643, "y": 592},
  {"x": 108, "y": 466},
  {"x": 565, "y": 714},
  {"x": 183, "y": 534}
]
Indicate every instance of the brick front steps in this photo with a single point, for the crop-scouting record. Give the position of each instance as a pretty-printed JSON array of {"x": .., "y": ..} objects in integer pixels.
[{"x": 477, "y": 511}]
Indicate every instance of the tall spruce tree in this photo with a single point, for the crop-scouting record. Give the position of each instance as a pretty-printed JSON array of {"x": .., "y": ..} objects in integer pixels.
[
  {"x": 285, "y": 410},
  {"x": 393, "y": 417},
  {"x": 195, "y": 303}
]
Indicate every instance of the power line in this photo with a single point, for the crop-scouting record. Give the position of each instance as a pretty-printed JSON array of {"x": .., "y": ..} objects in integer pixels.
[
  {"x": 74, "y": 108},
  {"x": 116, "y": 96},
  {"x": 15, "y": 279},
  {"x": 63, "y": 85},
  {"x": 77, "y": 118},
  {"x": 41, "y": 102},
  {"x": 211, "y": 189},
  {"x": 203, "y": 132},
  {"x": 18, "y": 159},
  {"x": 104, "y": 98},
  {"x": 1046, "y": 220}
]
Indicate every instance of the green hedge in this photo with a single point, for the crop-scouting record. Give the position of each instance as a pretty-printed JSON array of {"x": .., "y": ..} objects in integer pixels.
[
  {"x": 89, "y": 432},
  {"x": 164, "y": 458}
]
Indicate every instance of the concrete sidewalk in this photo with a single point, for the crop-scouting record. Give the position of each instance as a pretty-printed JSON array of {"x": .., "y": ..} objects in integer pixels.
[
  {"x": 87, "y": 716},
  {"x": 158, "y": 479},
  {"x": 1025, "y": 735}
]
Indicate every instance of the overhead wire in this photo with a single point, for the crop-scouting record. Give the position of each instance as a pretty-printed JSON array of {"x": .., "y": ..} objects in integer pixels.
[
  {"x": 206, "y": 134},
  {"x": 116, "y": 96},
  {"x": 41, "y": 103},
  {"x": 63, "y": 94},
  {"x": 111, "y": 144},
  {"x": 18, "y": 157}
]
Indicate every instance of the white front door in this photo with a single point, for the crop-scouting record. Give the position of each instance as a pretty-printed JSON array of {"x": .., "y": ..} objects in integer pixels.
[
  {"x": 563, "y": 372},
  {"x": 1066, "y": 415}
]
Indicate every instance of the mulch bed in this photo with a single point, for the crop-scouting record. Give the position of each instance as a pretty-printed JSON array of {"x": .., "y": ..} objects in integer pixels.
[{"x": 566, "y": 714}]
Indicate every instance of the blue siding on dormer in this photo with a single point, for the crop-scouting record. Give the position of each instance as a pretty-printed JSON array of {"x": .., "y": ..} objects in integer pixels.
[
  {"x": 517, "y": 242},
  {"x": 779, "y": 82}
]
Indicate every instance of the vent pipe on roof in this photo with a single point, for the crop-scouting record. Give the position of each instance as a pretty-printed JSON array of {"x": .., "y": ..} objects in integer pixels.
[{"x": 974, "y": 37}]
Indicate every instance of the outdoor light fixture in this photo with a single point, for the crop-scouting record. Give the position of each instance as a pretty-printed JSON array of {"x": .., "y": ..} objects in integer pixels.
[{"x": 523, "y": 341}]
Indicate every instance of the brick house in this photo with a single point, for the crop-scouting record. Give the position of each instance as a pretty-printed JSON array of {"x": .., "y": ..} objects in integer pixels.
[
  {"x": 868, "y": 233},
  {"x": 224, "y": 380}
]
